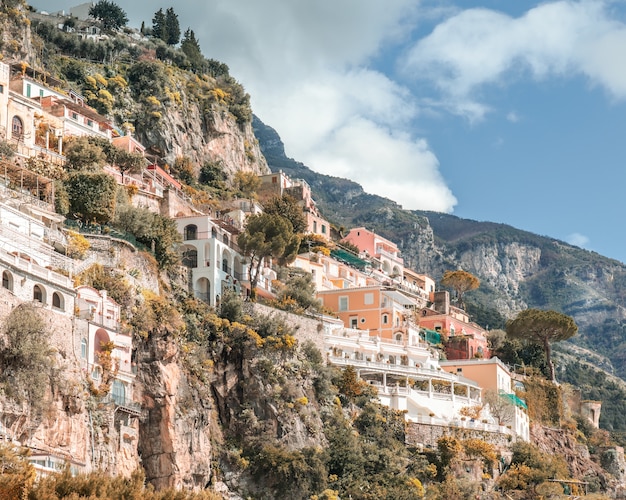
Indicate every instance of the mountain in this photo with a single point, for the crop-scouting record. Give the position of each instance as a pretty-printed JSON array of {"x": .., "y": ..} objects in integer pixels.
[{"x": 517, "y": 269}]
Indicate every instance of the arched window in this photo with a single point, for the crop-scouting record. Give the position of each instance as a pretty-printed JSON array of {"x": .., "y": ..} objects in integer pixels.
[
  {"x": 213, "y": 233},
  {"x": 392, "y": 359},
  {"x": 57, "y": 301},
  {"x": 38, "y": 294},
  {"x": 225, "y": 267},
  {"x": 225, "y": 238},
  {"x": 17, "y": 127},
  {"x": 385, "y": 319},
  {"x": 398, "y": 337},
  {"x": 191, "y": 232},
  {"x": 190, "y": 258},
  {"x": 118, "y": 392},
  {"x": 7, "y": 280}
]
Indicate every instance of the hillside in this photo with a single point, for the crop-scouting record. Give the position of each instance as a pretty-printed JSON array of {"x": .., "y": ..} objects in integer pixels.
[
  {"x": 517, "y": 269},
  {"x": 127, "y": 373}
]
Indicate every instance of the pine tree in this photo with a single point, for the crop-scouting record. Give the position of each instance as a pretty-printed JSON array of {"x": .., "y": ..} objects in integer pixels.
[
  {"x": 171, "y": 36},
  {"x": 158, "y": 24},
  {"x": 191, "y": 48}
]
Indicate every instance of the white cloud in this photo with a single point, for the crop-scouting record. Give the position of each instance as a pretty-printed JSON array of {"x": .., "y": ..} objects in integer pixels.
[
  {"x": 305, "y": 66},
  {"x": 477, "y": 48},
  {"x": 577, "y": 239}
]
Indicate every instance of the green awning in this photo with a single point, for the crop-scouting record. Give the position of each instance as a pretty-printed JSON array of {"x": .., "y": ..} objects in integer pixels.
[
  {"x": 514, "y": 399},
  {"x": 349, "y": 258},
  {"x": 431, "y": 336}
]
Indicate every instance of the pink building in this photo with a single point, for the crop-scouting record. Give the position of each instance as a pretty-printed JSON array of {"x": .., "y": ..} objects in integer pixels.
[{"x": 385, "y": 253}]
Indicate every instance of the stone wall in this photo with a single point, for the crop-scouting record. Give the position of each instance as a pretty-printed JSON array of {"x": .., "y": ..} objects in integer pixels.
[
  {"x": 308, "y": 327},
  {"x": 419, "y": 434}
]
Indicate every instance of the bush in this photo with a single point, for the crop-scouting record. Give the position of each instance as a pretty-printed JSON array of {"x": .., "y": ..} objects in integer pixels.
[{"x": 25, "y": 357}]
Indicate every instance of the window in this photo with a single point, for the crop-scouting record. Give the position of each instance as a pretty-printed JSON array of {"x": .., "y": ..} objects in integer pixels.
[
  {"x": 368, "y": 298},
  {"x": 38, "y": 293},
  {"x": 83, "y": 348},
  {"x": 385, "y": 319},
  {"x": 90, "y": 123},
  {"x": 17, "y": 127},
  {"x": 7, "y": 280},
  {"x": 40, "y": 92},
  {"x": 1, "y": 89},
  {"x": 190, "y": 258},
  {"x": 118, "y": 392},
  {"x": 323, "y": 228},
  {"x": 191, "y": 232},
  {"x": 74, "y": 116},
  {"x": 354, "y": 322},
  {"x": 343, "y": 303},
  {"x": 28, "y": 90},
  {"x": 57, "y": 300},
  {"x": 274, "y": 180}
]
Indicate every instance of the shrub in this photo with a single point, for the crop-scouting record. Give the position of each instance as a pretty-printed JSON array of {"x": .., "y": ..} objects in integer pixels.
[{"x": 25, "y": 357}]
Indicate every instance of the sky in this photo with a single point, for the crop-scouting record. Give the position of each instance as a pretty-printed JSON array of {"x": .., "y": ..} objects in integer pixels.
[{"x": 494, "y": 110}]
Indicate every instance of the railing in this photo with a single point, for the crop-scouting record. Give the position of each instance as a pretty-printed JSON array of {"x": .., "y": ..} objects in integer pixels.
[
  {"x": 388, "y": 367},
  {"x": 128, "y": 405}
]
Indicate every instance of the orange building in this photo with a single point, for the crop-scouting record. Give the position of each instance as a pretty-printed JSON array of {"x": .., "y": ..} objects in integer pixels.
[{"x": 384, "y": 312}]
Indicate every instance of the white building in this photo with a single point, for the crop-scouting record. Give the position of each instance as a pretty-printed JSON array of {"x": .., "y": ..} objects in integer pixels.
[{"x": 212, "y": 257}]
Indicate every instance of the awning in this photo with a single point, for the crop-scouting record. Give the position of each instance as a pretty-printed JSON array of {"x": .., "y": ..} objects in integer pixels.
[
  {"x": 514, "y": 399},
  {"x": 400, "y": 298}
]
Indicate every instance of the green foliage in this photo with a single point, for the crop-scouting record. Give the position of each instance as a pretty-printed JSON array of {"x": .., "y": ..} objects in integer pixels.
[
  {"x": 299, "y": 293},
  {"x": 153, "y": 230},
  {"x": 531, "y": 467},
  {"x": 26, "y": 358},
  {"x": 191, "y": 47},
  {"x": 83, "y": 155},
  {"x": 267, "y": 236},
  {"x": 111, "y": 15},
  {"x": 543, "y": 327},
  {"x": 291, "y": 474},
  {"x": 172, "y": 27},
  {"x": 7, "y": 150},
  {"x": 91, "y": 196},
  {"x": 111, "y": 280},
  {"x": 287, "y": 206}
]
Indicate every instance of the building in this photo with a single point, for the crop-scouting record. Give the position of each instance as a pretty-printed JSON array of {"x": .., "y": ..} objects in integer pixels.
[
  {"x": 492, "y": 375},
  {"x": 466, "y": 340},
  {"x": 99, "y": 325},
  {"x": 382, "y": 311},
  {"x": 211, "y": 254},
  {"x": 383, "y": 254}
]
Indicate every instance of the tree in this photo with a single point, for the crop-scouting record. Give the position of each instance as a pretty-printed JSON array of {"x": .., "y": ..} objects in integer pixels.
[
  {"x": 158, "y": 24},
  {"x": 129, "y": 162},
  {"x": 191, "y": 47},
  {"x": 82, "y": 154},
  {"x": 92, "y": 196},
  {"x": 172, "y": 27},
  {"x": 265, "y": 237},
  {"x": 500, "y": 407},
  {"x": 287, "y": 206},
  {"x": 461, "y": 281},
  {"x": 26, "y": 358},
  {"x": 542, "y": 327},
  {"x": 111, "y": 15}
]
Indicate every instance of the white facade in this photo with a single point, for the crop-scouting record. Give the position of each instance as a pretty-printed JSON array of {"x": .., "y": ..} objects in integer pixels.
[
  {"x": 209, "y": 251},
  {"x": 102, "y": 317},
  {"x": 408, "y": 377}
]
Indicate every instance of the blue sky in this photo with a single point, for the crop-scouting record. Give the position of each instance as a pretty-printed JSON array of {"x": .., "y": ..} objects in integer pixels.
[{"x": 505, "y": 111}]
